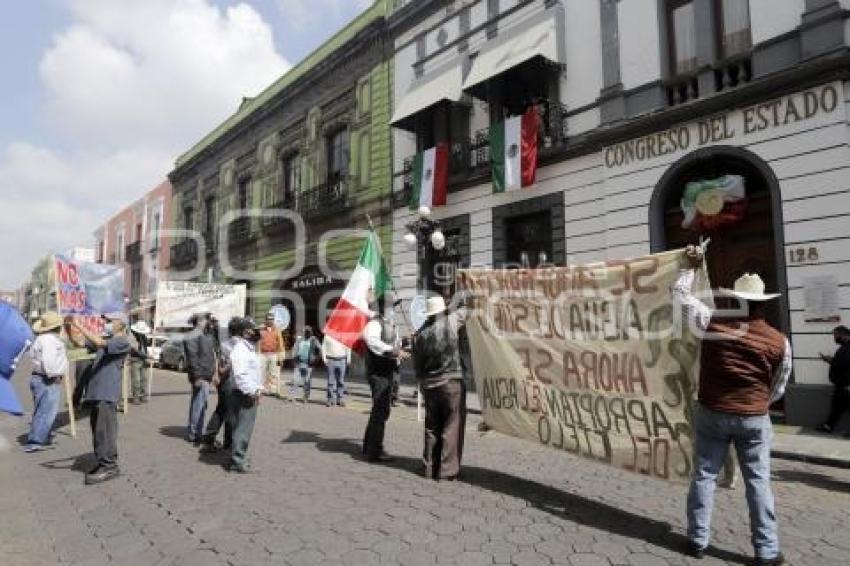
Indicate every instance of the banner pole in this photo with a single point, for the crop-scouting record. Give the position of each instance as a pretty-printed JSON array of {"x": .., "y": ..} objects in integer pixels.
[
  {"x": 124, "y": 376},
  {"x": 69, "y": 395}
]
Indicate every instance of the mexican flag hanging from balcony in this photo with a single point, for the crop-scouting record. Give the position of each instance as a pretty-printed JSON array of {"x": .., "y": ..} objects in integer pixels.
[
  {"x": 351, "y": 313},
  {"x": 513, "y": 151},
  {"x": 430, "y": 177}
]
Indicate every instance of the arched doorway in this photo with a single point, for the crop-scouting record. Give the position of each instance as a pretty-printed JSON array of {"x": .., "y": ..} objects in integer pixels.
[{"x": 754, "y": 244}]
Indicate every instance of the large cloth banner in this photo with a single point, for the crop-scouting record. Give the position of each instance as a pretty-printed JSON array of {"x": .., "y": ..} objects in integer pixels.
[
  {"x": 593, "y": 360},
  {"x": 88, "y": 291},
  {"x": 177, "y": 301}
]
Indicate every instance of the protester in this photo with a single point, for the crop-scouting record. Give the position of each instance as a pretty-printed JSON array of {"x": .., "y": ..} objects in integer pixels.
[
  {"x": 224, "y": 411},
  {"x": 81, "y": 352},
  {"x": 272, "y": 353},
  {"x": 49, "y": 366},
  {"x": 16, "y": 337},
  {"x": 744, "y": 367},
  {"x": 102, "y": 395},
  {"x": 383, "y": 355},
  {"x": 839, "y": 376},
  {"x": 337, "y": 359},
  {"x": 437, "y": 364},
  {"x": 139, "y": 358},
  {"x": 247, "y": 389},
  {"x": 200, "y": 349},
  {"x": 307, "y": 352}
]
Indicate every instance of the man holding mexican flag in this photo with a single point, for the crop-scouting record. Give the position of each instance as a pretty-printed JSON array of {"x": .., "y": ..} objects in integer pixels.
[{"x": 357, "y": 323}]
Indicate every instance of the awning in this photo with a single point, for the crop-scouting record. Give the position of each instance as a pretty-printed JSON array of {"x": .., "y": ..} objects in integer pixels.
[
  {"x": 539, "y": 39},
  {"x": 428, "y": 91}
]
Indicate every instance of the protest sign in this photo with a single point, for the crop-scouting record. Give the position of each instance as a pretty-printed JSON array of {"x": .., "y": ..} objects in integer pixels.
[
  {"x": 88, "y": 291},
  {"x": 177, "y": 301},
  {"x": 593, "y": 360}
]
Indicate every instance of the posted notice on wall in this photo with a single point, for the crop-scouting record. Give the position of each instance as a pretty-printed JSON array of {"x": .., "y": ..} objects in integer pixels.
[
  {"x": 821, "y": 300},
  {"x": 593, "y": 360},
  {"x": 177, "y": 301}
]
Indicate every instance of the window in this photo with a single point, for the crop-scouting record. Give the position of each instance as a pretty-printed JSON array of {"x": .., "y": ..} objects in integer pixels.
[
  {"x": 119, "y": 245},
  {"x": 682, "y": 33},
  {"x": 338, "y": 156},
  {"x": 734, "y": 27},
  {"x": 242, "y": 193},
  {"x": 529, "y": 239},
  {"x": 156, "y": 223},
  {"x": 209, "y": 214},
  {"x": 291, "y": 177},
  {"x": 188, "y": 218}
]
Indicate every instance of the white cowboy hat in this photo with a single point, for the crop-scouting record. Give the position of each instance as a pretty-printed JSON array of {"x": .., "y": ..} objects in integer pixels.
[
  {"x": 749, "y": 287},
  {"x": 141, "y": 327},
  {"x": 48, "y": 321},
  {"x": 435, "y": 306}
]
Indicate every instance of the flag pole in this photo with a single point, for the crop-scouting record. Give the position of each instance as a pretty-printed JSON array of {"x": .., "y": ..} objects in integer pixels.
[{"x": 69, "y": 395}]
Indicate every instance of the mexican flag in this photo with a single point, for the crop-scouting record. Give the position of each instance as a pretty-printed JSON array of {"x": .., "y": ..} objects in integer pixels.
[
  {"x": 351, "y": 313},
  {"x": 513, "y": 151},
  {"x": 430, "y": 177}
]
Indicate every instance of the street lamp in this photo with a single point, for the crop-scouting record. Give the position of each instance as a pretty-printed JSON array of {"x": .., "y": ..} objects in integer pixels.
[{"x": 420, "y": 233}]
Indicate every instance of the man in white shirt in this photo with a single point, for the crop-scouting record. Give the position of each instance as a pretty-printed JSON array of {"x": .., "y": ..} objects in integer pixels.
[
  {"x": 49, "y": 366},
  {"x": 383, "y": 355},
  {"x": 247, "y": 388},
  {"x": 336, "y": 357}
]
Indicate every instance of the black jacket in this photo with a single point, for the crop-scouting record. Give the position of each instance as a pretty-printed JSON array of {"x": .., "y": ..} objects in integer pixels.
[
  {"x": 200, "y": 356},
  {"x": 839, "y": 368},
  {"x": 435, "y": 354}
]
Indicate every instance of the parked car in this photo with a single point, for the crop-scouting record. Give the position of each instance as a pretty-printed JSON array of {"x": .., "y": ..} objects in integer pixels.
[
  {"x": 155, "y": 348},
  {"x": 172, "y": 355}
]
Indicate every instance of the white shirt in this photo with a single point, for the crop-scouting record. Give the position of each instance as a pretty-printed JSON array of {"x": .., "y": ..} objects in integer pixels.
[
  {"x": 372, "y": 337},
  {"x": 699, "y": 314},
  {"x": 334, "y": 349},
  {"x": 245, "y": 365},
  {"x": 49, "y": 356}
]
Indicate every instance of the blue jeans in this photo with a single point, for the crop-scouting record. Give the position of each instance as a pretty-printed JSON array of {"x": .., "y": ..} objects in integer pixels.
[
  {"x": 305, "y": 373},
  {"x": 336, "y": 380},
  {"x": 751, "y": 437},
  {"x": 197, "y": 409},
  {"x": 46, "y": 396}
]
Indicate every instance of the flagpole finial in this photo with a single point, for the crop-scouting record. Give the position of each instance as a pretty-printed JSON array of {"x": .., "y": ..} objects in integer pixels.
[{"x": 369, "y": 219}]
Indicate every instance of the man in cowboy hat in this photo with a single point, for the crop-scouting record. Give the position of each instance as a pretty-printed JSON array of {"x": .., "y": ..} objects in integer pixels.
[
  {"x": 16, "y": 337},
  {"x": 744, "y": 367},
  {"x": 437, "y": 363},
  {"x": 102, "y": 395},
  {"x": 49, "y": 365},
  {"x": 139, "y": 332}
]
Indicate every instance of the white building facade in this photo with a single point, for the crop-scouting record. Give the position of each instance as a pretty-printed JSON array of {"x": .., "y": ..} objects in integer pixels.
[{"x": 637, "y": 99}]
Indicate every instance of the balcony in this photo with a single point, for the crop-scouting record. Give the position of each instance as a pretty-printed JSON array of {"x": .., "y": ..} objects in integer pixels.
[
  {"x": 469, "y": 158},
  {"x": 275, "y": 224},
  {"x": 732, "y": 72},
  {"x": 682, "y": 89},
  {"x": 133, "y": 252},
  {"x": 240, "y": 232},
  {"x": 324, "y": 200},
  {"x": 185, "y": 253}
]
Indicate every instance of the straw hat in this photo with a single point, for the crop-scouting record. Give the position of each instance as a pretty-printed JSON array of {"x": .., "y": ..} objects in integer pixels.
[
  {"x": 48, "y": 321},
  {"x": 750, "y": 287},
  {"x": 435, "y": 306},
  {"x": 141, "y": 327}
]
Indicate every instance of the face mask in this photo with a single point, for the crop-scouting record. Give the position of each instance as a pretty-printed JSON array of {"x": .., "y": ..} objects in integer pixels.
[
  {"x": 107, "y": 329},
  {"x": 254, "y": 336}
]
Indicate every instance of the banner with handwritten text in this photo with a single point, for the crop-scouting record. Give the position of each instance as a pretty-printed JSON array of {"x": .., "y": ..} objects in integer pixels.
[
  {"x": 177, "y": 301},
  {"x": 593, "y": 360},
  {"x": 87, "y": 291}
]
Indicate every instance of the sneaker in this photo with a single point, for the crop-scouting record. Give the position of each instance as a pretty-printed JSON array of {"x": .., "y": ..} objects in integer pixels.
[
  {"x": 236, "y": 468},
  {"x": 30, "y": 448},
  {"x": 102, "y": 474},
  {"x": 694, "y": 550},
  {"x": 824, "y": 428},
  {"x": 775, "y": 561}
]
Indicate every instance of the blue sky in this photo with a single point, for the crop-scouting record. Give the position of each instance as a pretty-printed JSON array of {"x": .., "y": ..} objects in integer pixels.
[{"x": 100, "y": 96}]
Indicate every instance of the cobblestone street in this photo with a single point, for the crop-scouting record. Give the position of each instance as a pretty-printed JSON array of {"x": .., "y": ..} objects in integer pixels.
[{"x": 312, "y": 500}]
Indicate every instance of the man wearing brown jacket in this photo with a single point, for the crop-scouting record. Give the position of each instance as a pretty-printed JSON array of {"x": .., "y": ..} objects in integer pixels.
[{"x": 744, "y": 367}]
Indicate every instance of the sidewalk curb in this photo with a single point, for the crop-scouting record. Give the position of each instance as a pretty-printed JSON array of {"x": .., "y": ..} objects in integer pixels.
[{"x": 810, "y": 459}]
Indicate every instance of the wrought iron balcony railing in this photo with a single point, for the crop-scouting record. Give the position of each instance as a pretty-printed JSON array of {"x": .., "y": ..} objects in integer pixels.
[
  {"x": 133, "y": 252},
  {"x": 240, "y": 232},
  {"x": 184, "y": 253},
  {"x": 326, "y": 199}
]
